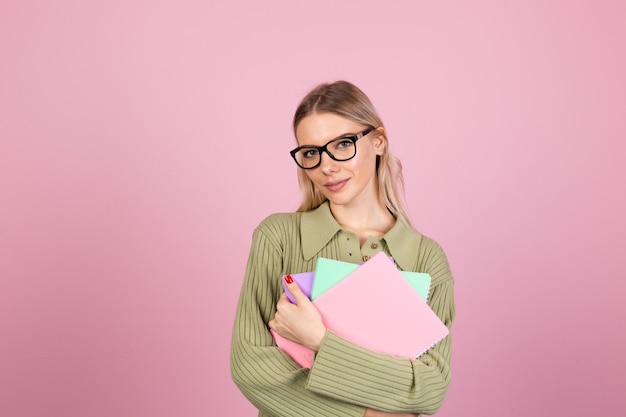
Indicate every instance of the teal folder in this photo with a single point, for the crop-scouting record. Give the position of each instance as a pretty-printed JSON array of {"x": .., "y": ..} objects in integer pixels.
[{"x": 329, "y": 272}]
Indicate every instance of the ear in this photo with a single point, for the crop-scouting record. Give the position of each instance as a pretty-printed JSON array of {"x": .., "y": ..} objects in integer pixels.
[{"x": 380, "y": 140}]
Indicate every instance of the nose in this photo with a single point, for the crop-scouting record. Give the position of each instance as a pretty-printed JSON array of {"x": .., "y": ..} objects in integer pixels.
[{"x": 327, "y": 164}]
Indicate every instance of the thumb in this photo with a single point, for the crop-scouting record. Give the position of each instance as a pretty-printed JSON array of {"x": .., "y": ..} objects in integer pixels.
[{"x": 292, "y": 287}]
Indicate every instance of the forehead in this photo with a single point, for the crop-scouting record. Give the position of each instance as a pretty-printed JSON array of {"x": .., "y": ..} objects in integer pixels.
[{"x": 319, "y": 128}]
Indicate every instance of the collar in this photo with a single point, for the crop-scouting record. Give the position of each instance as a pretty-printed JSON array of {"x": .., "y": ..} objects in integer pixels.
[{"x": 318, "y": 227}]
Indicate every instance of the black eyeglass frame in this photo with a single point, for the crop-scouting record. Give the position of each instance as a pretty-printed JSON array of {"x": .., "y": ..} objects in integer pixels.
[{"x": 324, "y": 148}]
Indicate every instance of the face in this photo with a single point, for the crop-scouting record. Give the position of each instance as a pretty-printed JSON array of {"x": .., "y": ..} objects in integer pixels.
[{"x": 346, "y": 183}]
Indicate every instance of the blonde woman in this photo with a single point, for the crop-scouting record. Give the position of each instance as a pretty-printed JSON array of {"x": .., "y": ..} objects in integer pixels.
[{"x": 352, "y": 208}]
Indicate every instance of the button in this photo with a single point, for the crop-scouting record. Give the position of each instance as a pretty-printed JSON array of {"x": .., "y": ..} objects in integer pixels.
[
  {"x": 374, "y": 245},
  {"x": 366, "y": 258}
]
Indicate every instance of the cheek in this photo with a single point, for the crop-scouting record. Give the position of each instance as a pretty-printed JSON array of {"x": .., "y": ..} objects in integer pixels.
[
  {"x": 366, "y": 163},
  {"x": 310, "y": 174}
]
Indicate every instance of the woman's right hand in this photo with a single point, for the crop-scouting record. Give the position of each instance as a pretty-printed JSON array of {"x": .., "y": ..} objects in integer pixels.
[{"x": 299, "y": 322}]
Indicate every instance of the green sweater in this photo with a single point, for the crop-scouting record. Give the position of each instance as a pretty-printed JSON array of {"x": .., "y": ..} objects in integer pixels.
[{"x": 345, "y": 378}]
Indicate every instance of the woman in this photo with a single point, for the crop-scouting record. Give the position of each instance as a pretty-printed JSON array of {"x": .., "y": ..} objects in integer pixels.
[{"x": 352, "y": 208}]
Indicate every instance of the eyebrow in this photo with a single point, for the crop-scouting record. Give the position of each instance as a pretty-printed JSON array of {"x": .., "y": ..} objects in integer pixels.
[{"x": 344, "y": 135}]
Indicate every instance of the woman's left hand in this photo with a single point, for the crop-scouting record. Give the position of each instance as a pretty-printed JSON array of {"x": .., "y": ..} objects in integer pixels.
[{"x": 300, "y": 322}]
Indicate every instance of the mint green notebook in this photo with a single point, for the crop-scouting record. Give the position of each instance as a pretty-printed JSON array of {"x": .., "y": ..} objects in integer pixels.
[{"x": 329, "y": 272}]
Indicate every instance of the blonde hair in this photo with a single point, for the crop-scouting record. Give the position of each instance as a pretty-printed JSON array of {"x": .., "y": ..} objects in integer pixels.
[{"x": 346, "y": 100}]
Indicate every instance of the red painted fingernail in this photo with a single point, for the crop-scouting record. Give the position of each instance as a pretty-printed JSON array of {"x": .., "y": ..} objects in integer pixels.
[{"x": 288, "y": 279}]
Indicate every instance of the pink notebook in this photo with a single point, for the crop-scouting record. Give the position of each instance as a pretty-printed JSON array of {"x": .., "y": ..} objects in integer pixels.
[
  {"x": 299, "y": 353},
  {"x": 375, "y": 307}
]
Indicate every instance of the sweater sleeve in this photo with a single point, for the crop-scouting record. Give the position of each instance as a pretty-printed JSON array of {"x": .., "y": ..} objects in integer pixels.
[
  {"x": 263, "y": 373},
  {"x": 348, "y": 372}
]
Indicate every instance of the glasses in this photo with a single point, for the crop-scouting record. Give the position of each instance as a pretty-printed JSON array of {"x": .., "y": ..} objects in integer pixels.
[{"x": 340, "y": 149}]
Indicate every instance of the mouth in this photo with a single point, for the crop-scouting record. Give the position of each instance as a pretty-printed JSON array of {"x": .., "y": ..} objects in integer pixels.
[{"x": 336, "y": 185}]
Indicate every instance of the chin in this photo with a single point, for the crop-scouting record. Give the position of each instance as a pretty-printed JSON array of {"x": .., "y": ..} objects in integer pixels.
[
  {"x": 339, "y": 201},
  {"x": 340, "y": 198}
]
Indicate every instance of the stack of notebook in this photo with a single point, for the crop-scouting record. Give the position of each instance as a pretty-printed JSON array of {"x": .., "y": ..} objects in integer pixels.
[{"x": 373, "y": 305}]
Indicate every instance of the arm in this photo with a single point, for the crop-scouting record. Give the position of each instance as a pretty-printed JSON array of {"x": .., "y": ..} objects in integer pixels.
[
  {"x": 302, "y": 323},
  {"x": 377, "y": 413},
  {"x": 263, "y": 373},
  {"x": 345, "y": 371}
]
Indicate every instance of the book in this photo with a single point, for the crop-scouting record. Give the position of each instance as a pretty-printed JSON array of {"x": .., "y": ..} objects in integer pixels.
[
  {"x": 305, "y": 282},
  {"x": 302, "y": 355},
  {"x": 328, "y": 272},
  {"x": 375, "y": 307}
]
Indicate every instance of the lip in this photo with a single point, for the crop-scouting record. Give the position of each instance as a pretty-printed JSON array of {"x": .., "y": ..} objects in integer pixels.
[{"x": 336, "y": 185}]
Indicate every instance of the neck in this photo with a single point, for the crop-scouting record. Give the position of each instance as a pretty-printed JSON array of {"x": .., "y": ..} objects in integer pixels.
[{"x": 363, "y": 220}]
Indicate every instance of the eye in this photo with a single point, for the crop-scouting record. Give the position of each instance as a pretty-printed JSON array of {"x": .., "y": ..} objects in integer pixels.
[
  {"x": 343, "y": 143},
  {"x": 309, "y": 153}
]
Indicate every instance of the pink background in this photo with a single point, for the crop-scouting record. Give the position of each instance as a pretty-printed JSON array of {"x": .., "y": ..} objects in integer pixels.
[{"x": 142, "y": 141}]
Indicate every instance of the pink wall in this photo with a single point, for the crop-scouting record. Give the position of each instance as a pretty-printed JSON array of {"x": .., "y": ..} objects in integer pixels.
[{"x": 142, "y": 141}]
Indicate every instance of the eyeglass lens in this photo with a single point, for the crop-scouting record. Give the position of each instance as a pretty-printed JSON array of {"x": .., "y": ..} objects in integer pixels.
[{"x": 340, "y": 149}]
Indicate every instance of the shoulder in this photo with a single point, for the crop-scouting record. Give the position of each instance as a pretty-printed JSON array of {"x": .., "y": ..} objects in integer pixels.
[
  {"x": 279, "y": 226},
  {"x": 430, "y": 246},
  {"x": 279, "y": 221},
  {"x": 412, "y": 249},
  {"x": 417, "y": 252},
  {"x": 432, "y": 258}
]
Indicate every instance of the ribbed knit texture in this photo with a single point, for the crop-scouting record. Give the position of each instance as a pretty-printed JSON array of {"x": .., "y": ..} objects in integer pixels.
[{"x": 345, "y": 378}]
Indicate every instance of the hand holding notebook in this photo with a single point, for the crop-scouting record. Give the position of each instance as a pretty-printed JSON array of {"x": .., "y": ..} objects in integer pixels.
[{"x": 375, "y": 307}]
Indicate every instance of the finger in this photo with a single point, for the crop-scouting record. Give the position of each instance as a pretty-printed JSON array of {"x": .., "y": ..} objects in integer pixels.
[
  {"x": 294, "y": 289},
  {"x": 283, "y": 303},
  {"x": 282, "y": 299},
  {"x": 287, "y": 292}
]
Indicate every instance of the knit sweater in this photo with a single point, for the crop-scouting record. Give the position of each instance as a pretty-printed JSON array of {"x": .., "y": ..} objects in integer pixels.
[{"x": 345, "y": 379}]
